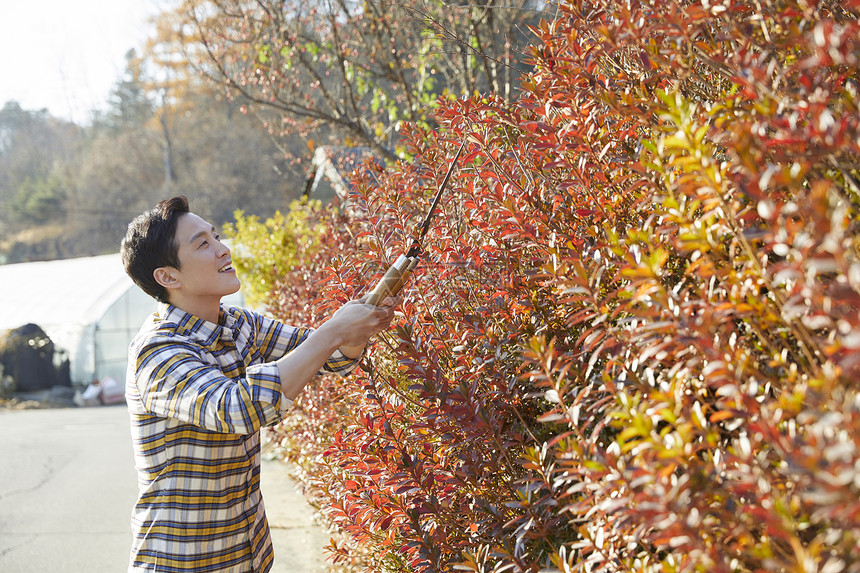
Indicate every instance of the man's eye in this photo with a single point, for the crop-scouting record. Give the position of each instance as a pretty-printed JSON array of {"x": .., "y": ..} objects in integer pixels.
[{"x": 217, "y": 237}]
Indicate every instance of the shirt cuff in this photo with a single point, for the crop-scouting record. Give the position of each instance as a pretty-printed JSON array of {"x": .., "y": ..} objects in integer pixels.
[
  {"x": 339, "y": 363},
  {"x": 265, "y": 385}
]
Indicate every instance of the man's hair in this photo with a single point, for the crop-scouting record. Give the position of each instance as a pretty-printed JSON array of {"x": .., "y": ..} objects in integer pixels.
[{"x": 150, "y": 243}]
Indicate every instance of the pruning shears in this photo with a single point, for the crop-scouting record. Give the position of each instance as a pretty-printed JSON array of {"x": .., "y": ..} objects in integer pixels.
[{"x": 395, "y": 277}]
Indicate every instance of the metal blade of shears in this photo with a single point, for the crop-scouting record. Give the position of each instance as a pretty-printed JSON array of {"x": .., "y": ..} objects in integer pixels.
[
  {"x": 397, "y": 274},
  {"x": 415, "y": 250}
]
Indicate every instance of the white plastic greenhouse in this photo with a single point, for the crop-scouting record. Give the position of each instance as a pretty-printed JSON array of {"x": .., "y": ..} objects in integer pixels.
[{"x": 88, "y": 306}]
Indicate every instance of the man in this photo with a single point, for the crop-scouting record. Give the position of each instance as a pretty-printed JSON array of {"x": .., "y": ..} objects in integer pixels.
[{"x": 202, "y": 380}]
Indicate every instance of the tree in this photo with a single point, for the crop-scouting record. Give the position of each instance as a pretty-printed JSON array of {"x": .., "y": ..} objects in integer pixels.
[
  {"x": 220, "y": 159},
  {"x": 352, "y": 70},
  {"x": 40, "y": 201},
  {"x": 121, "y": 170},
  {"x": 68, "y": 190},
  {"x": 35, "y": 150},
  {"x": 227, "y": 161},
  {"x": 130, "y": 105}
]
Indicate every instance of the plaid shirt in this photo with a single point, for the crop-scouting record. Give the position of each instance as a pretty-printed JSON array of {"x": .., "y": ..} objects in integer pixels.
[{"x": 198, "y": 394}]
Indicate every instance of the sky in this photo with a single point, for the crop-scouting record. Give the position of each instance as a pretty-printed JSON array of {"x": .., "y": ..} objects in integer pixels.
[{"x": 66, "y": 55}]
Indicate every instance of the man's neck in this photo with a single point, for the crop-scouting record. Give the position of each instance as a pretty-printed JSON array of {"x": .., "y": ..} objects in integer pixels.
[{"x": 208, "y": 309}]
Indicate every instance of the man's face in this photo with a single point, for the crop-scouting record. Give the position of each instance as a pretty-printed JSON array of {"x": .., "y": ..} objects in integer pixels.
[{"x": 205, "y": 265}]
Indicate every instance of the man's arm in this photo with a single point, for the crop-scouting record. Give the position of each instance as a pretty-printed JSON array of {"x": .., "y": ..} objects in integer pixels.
[
  {"x": 348, "y": 330},
  {"x": 172, "y": 380}
]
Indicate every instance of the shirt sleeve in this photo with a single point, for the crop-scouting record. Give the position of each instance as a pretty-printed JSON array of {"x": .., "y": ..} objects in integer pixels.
[
  {"x": 275, "y": 339},
  {"x": 174, "y": 381}
]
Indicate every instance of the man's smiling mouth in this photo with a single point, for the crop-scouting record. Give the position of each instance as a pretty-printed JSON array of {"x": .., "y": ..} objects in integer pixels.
[{"x": 225, "y": 268}]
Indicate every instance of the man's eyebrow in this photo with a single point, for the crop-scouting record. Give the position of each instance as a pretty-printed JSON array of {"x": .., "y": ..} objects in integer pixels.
[{"x": 196, "y": 236}]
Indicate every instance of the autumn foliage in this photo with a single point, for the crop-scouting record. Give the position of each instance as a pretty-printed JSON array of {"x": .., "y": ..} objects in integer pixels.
[{"x": 633, "y": 343}]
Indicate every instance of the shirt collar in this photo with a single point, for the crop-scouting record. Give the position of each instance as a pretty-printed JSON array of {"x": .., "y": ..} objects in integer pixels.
[{"x": 198, "y": 329}]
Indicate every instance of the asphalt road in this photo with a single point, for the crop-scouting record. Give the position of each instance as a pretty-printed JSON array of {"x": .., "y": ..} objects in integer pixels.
[{"x": 67, "y": 485}]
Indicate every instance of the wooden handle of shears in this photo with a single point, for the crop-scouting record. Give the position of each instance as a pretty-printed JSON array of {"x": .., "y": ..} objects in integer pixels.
[{"x": 393, "y": 280}]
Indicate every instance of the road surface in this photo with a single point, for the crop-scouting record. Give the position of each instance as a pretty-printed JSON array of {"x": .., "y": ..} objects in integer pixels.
[{"x": 67, "y": 485}]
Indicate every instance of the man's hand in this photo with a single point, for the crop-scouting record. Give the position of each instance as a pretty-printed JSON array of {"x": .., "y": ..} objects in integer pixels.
[
  {"x": 358, "y": 322},
  {"x": 348, "y": 329}
]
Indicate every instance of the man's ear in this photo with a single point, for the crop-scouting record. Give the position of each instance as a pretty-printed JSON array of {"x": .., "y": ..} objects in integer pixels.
[{"x": 167, "y": 277}]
